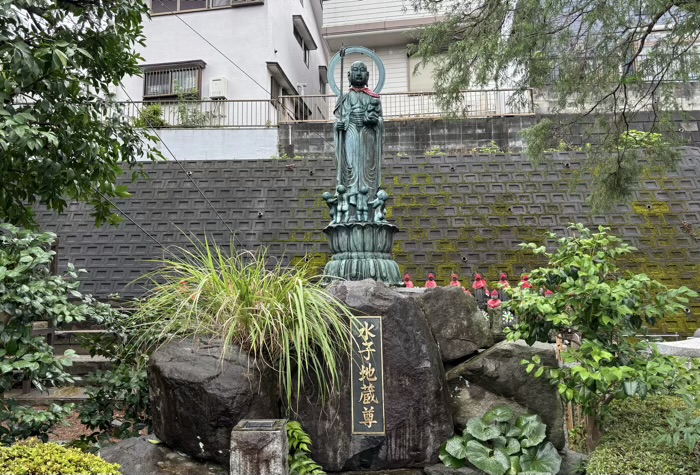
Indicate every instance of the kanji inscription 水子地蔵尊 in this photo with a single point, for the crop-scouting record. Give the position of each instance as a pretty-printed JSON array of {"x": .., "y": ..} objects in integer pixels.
[{"x": 367, "y": 377}]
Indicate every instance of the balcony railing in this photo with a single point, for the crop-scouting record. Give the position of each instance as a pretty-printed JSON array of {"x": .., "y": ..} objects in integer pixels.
[{"x": 319, "y": 108}]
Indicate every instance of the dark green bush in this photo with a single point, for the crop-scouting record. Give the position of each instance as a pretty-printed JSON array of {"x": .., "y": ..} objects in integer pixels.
[
  {"x": 29, "y": 293},
  {"x": 35, "y": 458},
  {"x": 122, "y": 390},
  {"x": 629, "y": 447},
  {"x": 151, "y": 117}
]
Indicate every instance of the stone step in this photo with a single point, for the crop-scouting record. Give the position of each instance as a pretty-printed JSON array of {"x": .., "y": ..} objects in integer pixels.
[
  {"x": 64, "y": 395},
  {"x": 83, "y": 365},
  {"x": 70, "y": 339}
]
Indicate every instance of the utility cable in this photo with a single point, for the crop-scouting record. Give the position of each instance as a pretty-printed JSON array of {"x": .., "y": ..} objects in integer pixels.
[
  {"x": 188, "y": 173},
  {"x": 123, "y": 213},
  {"x": 179, "y": 17}
]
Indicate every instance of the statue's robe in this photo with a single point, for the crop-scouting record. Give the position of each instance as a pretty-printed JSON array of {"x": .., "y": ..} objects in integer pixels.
[{"x": 359, "y": 147}]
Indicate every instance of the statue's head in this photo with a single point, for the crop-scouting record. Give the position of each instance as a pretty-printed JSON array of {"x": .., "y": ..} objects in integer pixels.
[
  {"x": 382, "y": 195},
  {"x": 364, "y": 189},
  {"x": 340, "y": 189},
  {"x": 326, "y": 196},
  {"x": 358, "y": 74}
]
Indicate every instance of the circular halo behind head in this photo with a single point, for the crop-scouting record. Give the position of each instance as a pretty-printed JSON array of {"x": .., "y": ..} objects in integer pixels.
[{"x": 361, "y": 50}]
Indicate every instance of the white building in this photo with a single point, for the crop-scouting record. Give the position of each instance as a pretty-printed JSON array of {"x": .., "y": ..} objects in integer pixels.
[
  {"x": 385, "y": 26},
  {"x": 388, "y": 27},
  {"x": 266, "y": 48}
]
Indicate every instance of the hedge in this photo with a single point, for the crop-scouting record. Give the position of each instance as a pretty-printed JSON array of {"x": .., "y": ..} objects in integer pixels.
[
  {"x": 35, "y": 458},
  {"x": 628, "y": 446}
]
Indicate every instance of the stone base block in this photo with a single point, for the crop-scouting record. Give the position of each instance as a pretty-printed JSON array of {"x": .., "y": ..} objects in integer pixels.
[{"x": 259, "y": 448}]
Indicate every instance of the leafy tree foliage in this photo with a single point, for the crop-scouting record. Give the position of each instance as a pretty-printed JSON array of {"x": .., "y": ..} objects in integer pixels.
[
  {"x": 600, "y": 62},
  {"x": 604, "y": 310},
  {"x": 30, "y": 294},
  {"x": 60, "y": 136}
]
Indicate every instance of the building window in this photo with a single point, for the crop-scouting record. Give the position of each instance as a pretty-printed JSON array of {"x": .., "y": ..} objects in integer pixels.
[
  {"x": 422, "y": 80},
  {"x": 322, "y": 79},
  {"x": 172, "y": 79},
  {"x": 302, "y": 43},
  {"x": 173, "y": 6}
]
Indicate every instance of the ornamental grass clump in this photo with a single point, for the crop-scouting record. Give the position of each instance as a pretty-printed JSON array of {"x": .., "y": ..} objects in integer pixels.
[{"x": 279, "y": 315}]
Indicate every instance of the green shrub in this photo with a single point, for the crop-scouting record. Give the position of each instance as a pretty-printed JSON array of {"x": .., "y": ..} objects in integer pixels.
[
  {"x": 150, "y": 116},
  {"x": 498, "y": 443},
  {"x": 629, "y": 446},
  {"x": 122, "y": 389},
  {"x": 35, "y": 458},
  {"x": 594, "y": 299},
  {"x": 29, "y": 294},
  {"x": 684, "y": 424},
  {"x": 277, "y": 314}
]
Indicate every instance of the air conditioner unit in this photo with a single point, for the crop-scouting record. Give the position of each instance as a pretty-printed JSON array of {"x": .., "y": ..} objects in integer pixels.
[{"x": 218, "y": 88}]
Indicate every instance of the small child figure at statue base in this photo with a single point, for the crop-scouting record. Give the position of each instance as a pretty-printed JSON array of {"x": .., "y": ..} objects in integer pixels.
[
  {"x": 480, "y": 290},
  {"x": 407, "y": 281},
  {"x": 362, "y": 207},
  {"x": 503, "y": 284},
  {"x": 379, "y": 205},
  {"x": 525, "y": 282},
  {"x": 494, "y": 301},
  {"x": 431, "y": 284},
  {"x": 455, "y": 281},
  {"x": 332, "y": 202},
  {"x": 343, "y": 206}
]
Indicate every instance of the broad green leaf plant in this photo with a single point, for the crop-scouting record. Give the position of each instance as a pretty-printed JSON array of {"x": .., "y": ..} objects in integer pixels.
[
  {"x": 605, "y": 309},
  {"x": 499, "y": 443},
  {"x": 30, "y": 294}
]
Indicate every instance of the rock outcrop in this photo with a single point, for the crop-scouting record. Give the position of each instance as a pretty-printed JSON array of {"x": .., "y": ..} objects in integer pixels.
[
  {"x": 139, "y": 456},
  {"x": 498, "y": 371},
  {"x": 458, "y": 326},
  {"x": 415, "y": 396},
  {"x": 197, "y": 397}
]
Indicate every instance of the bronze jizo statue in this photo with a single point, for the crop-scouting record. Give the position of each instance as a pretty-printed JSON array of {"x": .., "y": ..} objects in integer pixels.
[
  {"x": 359, "y": 235},
  {"x": 359, "y": 135}
]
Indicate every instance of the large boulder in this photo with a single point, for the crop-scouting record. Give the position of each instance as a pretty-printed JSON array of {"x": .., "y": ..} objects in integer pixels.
[
  {"x": 141, "y": 456},
  {"x": 468, "y": 401},
  {"x": 197, "y": 397},
  {"x": 498, "y": 371},
  {"x": 415, "y": 397},
  {"x": 458, "y": 326},
  {"x": 442, "y": 470},
  {"x": 408, "y": 471}
]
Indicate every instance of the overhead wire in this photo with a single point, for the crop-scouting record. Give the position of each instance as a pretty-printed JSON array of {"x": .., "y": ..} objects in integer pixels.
[
  {"x": 179, "y": 17},
  {"x": 123, "y": 213},
  {"x": 187, "y": 173}
]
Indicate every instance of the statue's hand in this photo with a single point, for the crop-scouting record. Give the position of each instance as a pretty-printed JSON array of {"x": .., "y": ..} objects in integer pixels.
[
  {"x": 372, "y": 118},
  {"x": 340, "y": 125}
]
